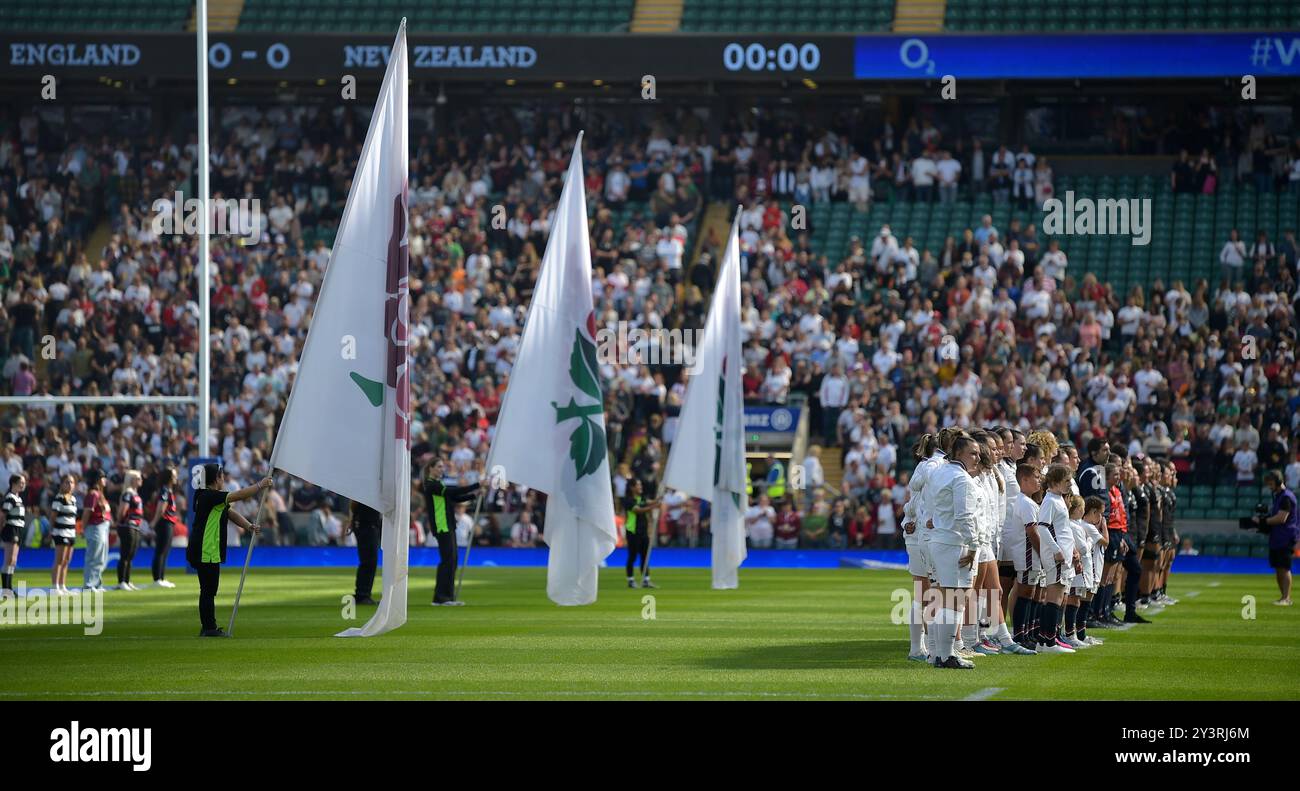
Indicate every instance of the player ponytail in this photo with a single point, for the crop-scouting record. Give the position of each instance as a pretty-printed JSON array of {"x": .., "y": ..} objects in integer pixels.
[{"x": 924, "y": 447}]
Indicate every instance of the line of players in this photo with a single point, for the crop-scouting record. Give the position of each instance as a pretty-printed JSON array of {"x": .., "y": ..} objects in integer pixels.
[{"x": 997, "y": 523}]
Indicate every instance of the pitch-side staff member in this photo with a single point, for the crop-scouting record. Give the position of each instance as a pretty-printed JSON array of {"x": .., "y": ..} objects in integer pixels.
[
  {"x": 207, "y": 548},
  {"x": 1283, "y": 522},
  {"x": 366, "y": 523}
]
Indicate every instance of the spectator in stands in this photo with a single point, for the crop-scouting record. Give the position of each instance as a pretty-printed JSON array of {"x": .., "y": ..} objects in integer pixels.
[
  {"x": 759, "y": 523},
  {"x": 862, "y": 528},
  {"x": 924, "y": 172},
  {"x": 1024, "y": 178},
  {"x": 1043, "y": 188},
  {"x": 1244, "y": 462},
  {"x": 1001, "y": 170},
  {"x": 949, "y": 172},
  {"x": 788, "y": 526},
  {"x": 524, "y": 532},
  {"x": 1232, "y": 257},
  {"x": 859, "y": 181}
]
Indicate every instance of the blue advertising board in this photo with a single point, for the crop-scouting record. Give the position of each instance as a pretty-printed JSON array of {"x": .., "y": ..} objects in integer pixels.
[
  {"x": 777, "y": 419},
  {"x": 1067, "y": 56}
]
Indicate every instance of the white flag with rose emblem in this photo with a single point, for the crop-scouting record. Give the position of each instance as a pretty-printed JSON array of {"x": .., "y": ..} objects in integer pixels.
[{"x": 347, "y": 424}]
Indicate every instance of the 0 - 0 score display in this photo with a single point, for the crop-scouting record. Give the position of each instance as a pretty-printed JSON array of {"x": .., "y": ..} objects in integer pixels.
[{"x": 760, "y": 57}]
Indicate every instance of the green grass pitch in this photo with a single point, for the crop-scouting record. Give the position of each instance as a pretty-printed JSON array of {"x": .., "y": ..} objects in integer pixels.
[{"x": 786, "y": 634}]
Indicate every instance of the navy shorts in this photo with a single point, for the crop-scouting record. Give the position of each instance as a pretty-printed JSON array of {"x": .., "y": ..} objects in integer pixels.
[
  {"x": 63, "y": 542},
  {"x": 1282, "y": 557},
  {"x": 9, "y": 535},
  {"x": 1112, "y": 548}
]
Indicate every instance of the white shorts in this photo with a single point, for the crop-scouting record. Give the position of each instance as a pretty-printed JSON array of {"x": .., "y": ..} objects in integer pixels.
[
  {"x": 984, "y": 553},
  {"x": 918, "y": 559},
  {"x": 1031, "y": 577},
  {"x": 947, "y": 572},
  {"x": 1058, "y": 574}
]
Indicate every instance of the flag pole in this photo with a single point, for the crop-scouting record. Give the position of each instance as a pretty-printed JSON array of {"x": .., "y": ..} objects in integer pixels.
[
  {"x": 205, "y": 219},
  {"x": 230, "y": 629},
  {"x": 460, "y": 576},
  {"x": 654, "y": 523}
]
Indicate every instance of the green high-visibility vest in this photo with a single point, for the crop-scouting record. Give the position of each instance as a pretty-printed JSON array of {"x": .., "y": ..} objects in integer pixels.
[{"x": 630, "y": 522}]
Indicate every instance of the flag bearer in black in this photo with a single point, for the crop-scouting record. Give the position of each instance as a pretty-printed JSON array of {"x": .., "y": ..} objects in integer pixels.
[
  {"x": 207, "y": 548},
  {"x": 440, "y": 504},
  {"x": 636, "y": 527},
  {"x": 366, "y": 523}
]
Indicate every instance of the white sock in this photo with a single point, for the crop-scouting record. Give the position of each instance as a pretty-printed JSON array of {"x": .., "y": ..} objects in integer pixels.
[
  {"x": 970, "y": 635},
  {"x": 914, "y": 628},
  {"x": 1003, "y": 635},
  {"x": 944, "y": 629},
  {"x": 931, "y": 646}
]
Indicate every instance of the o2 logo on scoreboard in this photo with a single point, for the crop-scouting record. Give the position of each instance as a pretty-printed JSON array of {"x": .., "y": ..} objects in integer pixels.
[
  {"x": 914, "y": 54},
  {"x": 760, "y": 57}
]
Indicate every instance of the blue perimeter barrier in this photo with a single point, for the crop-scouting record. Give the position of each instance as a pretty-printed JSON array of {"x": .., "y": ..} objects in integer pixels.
[{"x": 667, "y": 557}]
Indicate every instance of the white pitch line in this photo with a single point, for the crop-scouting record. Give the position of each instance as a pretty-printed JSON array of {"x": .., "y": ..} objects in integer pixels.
[
  {"x": 1191, "y": 594},
  {"x": 983, "y": 694},
  {"x": 134, "y": 694},
  {"x": 1215, "y": 584}
]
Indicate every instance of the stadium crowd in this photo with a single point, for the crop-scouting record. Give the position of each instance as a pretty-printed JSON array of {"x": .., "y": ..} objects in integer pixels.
[{"x": 884, "y": 343}]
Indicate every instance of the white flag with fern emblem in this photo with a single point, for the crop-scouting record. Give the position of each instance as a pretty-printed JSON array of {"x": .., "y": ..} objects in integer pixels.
[{"x": 550, "y": 434}]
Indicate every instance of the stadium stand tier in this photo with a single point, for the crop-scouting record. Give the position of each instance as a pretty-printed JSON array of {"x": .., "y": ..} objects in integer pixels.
[
  {"x": 533, "y": 16},
  {"x": 68, "y": 15}
]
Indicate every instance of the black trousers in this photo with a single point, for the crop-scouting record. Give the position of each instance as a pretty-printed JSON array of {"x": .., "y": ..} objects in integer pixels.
[
  {"x": 128, "y": 541},
  {"x": 1133, "y": 571},
  {"x": 446, "y": 588},
  {"x": 367, "y": 556},
  {"x": 638, "y": 544},
  {"x": 162, "y": 544},
  {"x": 209, "y": 581}
]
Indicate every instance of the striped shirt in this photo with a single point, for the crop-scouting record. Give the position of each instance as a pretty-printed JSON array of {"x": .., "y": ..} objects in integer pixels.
[
  {"x": 15, "y": 511},
  {"x": 65, "y": 516},
  {"x": 168, "y": 500},
  {"x": 134, "y": 518}
]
